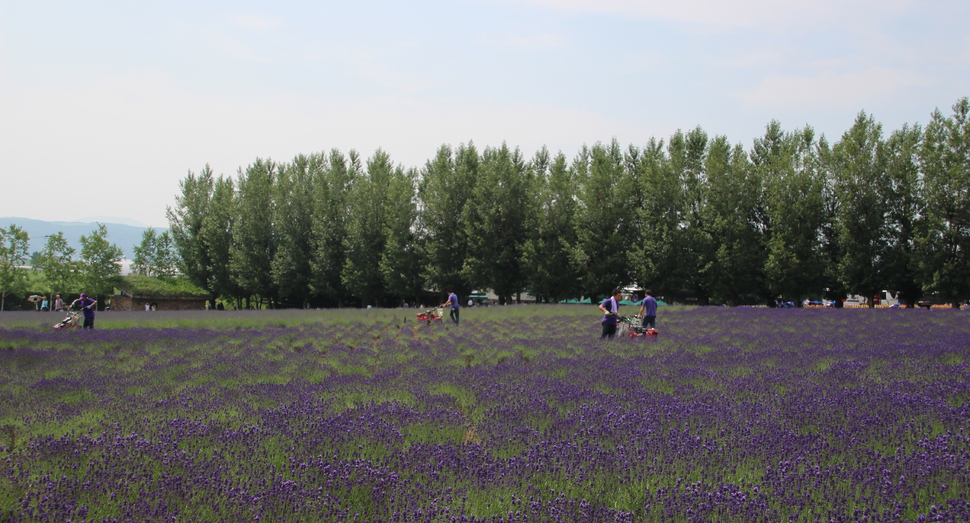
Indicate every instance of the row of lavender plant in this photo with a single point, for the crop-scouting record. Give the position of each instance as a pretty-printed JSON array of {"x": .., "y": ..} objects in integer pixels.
[{"x": 730, "y": 415}]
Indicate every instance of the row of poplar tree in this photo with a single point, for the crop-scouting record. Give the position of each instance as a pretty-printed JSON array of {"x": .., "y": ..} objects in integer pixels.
[{"x": 695, "y": 216}]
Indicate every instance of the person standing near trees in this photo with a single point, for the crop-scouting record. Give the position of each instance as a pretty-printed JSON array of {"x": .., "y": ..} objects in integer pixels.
[
  {"x": 648, "y": 310},
  {"x": 453, "y": 302},
  {"x": 58, "y": 303},
  {"x": 611, "y": 307},
  {"x": 87, "y": 306}
]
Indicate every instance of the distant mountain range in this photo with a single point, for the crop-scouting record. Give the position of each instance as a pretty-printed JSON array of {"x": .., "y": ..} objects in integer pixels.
[{"x": 125, "y": 236}]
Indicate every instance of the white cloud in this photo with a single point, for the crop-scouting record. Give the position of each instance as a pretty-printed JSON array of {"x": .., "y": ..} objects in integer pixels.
[
  {"x": 238, "y": 44},
  {"x": 257, "y": 22},
  {"x": 753, "y": 58},
  {"x": 238, "y": 50},
  {"x": 853, "y": 89},
  {"x": 746, "y": 13},
  {"x": 542, "y": 42},
  {"x": 398, "y": 81}
]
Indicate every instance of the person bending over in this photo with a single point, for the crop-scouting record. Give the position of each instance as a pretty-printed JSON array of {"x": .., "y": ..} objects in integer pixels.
[
  {"x": 610, "y": 307},
  {"x": 87, "y": 306}
]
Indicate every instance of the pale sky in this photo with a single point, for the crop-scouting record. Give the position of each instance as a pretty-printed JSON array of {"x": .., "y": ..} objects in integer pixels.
[{"x": 105, "y": 105}]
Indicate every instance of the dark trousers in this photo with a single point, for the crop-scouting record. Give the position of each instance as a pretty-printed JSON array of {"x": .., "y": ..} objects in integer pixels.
[
  {"x": 454, "y": 314},
  {"x": 88, "y": 323},
  {"x": 649, "y": 321},
  {"x": 609, "y": 330}
]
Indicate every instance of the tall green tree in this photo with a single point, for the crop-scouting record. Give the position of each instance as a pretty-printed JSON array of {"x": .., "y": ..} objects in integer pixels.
[
  {"x": 604, "y": 219},
  {"x": 155, "y": 256},
  {"x": 217, "y": 237},
  {"x": 905, "y": 212},
  {"x": 366, "y": 230},
  {"x": 401, "y": 263},
  {"x": 688, "y": 153},
  {"x": 254, "y": 235},
  {"x": 145, "y": 253},
  {"x": 166, "y": 261},
  {"x": 57, "y": 263},
  {"x": 830, "y": 234},
  {"x": 790, "y": 167},
  {"x": 13, "y": 261},
  {"x": 945, "y": 242},
  {"x": 733, "y": 271},
  {"x": 447, "y": 183},
  {"x": 495, "y": 223},
  {"x": 331, "y": 210},
  {"x": 863, "y": 188},
  {"x": 659, "y": 217},
  {"x": 550, "y": 230},
  {"x": 100, "y": 263},
  {"x": 294, "y": 218},
  {"x": 672, "y": 243},
  {"x": 186, "y": 222}
]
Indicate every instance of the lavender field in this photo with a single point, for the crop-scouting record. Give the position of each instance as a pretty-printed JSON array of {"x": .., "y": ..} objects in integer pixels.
[{"x": 520, "y": 414}]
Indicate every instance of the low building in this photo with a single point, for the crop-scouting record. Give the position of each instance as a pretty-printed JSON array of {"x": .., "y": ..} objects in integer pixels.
[
  {"x": 126, "y": 301},
  {"x": 135, "y": 293}
]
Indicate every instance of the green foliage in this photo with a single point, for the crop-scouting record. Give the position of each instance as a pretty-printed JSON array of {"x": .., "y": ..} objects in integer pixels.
[
  {"x": 733, "y": 271},
  {"x": 862, "y": 186},
  {"x": 790, "y": 164},
  {"x": 100, "y": 262},
  {"x": 549, "y": 230},
  {"x": 365, "y": 238},
  {"x": 495, "y": 221},
  {"x": 692, "y": 217},
  {"x": 945, "y": 163},
  {"x": 187, "y": 220},
  {"x": 142, "y": 285},
  {"x": 254, "y": 242},
  {"x": 400, "y": 263},
  {"x": 666, "y": 256},
  {"x": 906, "y": 206},
  {"x": 291, "y": 266},
  {"x": 57, "y": 263},
  {"x": 447, "y": 183},
  {"x": 216, "y": 234},
  {"x": 331, "y": 201},
  {"x": 604, "y": 220},
  {"x": 155, "y": 256},
  {"x": 13, "y": 259}
]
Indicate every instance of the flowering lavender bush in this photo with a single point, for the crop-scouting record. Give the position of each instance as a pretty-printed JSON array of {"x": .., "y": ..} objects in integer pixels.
[{"x": 730, "y": 415}]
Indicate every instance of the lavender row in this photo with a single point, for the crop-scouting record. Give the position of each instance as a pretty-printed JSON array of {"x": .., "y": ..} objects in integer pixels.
[{"x": 730, "y": 415}]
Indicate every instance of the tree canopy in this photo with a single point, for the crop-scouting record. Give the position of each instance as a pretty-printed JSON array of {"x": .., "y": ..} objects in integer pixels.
[{"x": 694, "y": 217}]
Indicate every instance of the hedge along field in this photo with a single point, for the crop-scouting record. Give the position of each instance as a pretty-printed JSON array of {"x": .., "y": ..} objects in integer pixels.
[{"x": 519, "y": 414}]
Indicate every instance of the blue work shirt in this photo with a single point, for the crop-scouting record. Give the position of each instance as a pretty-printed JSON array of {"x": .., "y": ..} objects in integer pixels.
[
  {"x": 85, "y": 303},
  {"x": 650, "y": 306},
  {"x": 611, "y": 305}
]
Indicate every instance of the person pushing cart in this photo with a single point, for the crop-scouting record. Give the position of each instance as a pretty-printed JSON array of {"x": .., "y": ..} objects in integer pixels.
[
  {"x": 87, "y": 307},
  {"x": 648, "y": 310}
]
